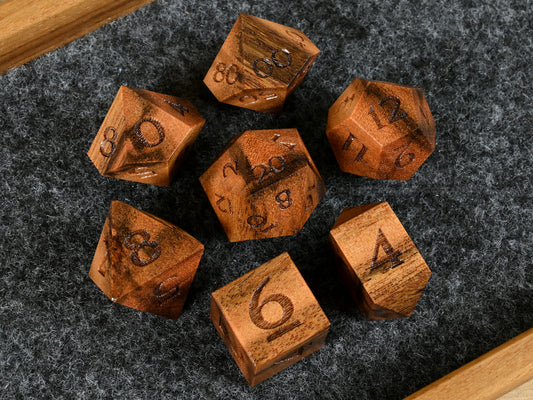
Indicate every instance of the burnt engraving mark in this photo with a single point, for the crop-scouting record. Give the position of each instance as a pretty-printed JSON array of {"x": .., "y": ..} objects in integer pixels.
[
  {"x": 155, "y": 247},
  {"x": 137, "y": 132},
  {"x": 178, "y": 107},
  {"x": 259, "y": 222},
  {"x": 392, "y": 255},
  {"x": 229, "y": 73},
  {"x": 111, "y": 140},
  {"x": 396, "y": 113},
  {"x": 404, "y": 158},
  {"x": 288, "y": 145},
  {"x": 284, "y": 199},
  {"x": 167, "y": 289},
  {"x": 256, "y": 308},
  {"x": 276, "y": 165},
  {"x": 264, "y": 67},
  {"x": 231, "y": 167},
  {"x": 225, "y": 209}
]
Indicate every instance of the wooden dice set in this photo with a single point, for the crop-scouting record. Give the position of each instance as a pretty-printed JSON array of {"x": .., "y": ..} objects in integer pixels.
[{"x": 264, "y": 184}]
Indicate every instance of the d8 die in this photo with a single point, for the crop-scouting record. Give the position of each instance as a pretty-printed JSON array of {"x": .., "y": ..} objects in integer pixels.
[
  {"x": 381, "y": 130},
  {"x": 144, "y": 262},
  {"x": 260, "y": 64},
  {"x": 269, "y": 319},
  {"x": 264, "y": 184},
  {"x": 379, "y": 263},
  {"x": 145, "y": 136}
]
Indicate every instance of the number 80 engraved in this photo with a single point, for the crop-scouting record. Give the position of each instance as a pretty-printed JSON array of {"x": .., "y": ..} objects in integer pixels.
[{"x": 256, "y": 309}]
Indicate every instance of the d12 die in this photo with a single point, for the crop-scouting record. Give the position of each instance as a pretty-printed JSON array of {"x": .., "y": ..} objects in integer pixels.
[
  {"x": 144, "y": 262},
  {"x": 260, "y": 64},
  {"x": 380, "y": 264},
  {"x": 145, "y": 136},
  {"x": 264, "y": 184},
  {"x": 269, "y": 319},
  {"x": 381, "y": 130}
]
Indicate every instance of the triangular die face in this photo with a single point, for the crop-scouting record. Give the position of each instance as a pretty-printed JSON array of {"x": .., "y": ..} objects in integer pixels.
[
  {"x": 268, "y": 56},
  {"x": 142, "y": 248}
]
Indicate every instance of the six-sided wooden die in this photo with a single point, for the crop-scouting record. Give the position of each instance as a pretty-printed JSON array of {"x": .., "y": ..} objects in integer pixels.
[
  {"x": 377, "y": 260},
  {"x": 144, "y": 262},
  {"x": 145, "y": 136},
  {"x": 260, "y": 64},
  {"x": 381, "y": 130},
  {"x": 263, "y": 185},
  {"x": 269, "y": 319}
]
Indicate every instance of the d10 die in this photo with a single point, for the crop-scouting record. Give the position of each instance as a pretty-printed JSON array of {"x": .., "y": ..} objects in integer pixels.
[
  {"x": 381, "y": 130},
  {"x": 264, "y": 184},
  {"x": 144, "y": 262},
  {"x": 260, "y": 64},
  {"x": 145, "y": 136},
  {"x": 269, "y": 319},
  {"x": 380, "y": 264}
]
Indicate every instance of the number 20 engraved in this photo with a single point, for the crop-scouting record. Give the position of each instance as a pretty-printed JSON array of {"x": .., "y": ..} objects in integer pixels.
[{"x": 256, "y": 315}]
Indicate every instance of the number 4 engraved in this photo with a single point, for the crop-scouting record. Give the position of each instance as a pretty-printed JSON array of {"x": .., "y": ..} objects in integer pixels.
[
  {"x": 392, "y": 255},
  {"x": 256, "y": 314}
]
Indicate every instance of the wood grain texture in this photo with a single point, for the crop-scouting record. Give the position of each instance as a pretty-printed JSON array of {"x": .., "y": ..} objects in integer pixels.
[
  {"x": 381, "y": 130},
  {"x": 144, "y": 262},
  {"x": 269, "y": 319},
  {"x": 378, "y": 261},
  {"x": 263, "y": 185},
  {"x": 30, "y": 28},
  {"x": 145, "y": 136},
  {"x": 260, "y": 64},
  {"x": 491, "y": 376}
]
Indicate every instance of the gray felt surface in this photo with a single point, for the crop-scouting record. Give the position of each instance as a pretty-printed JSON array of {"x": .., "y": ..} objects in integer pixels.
[{"x": 468, "y": 208}]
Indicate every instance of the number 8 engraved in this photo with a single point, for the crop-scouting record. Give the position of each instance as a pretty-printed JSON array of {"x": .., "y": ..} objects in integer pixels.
[
  {"x": 110, "y": 140},
  {"x": 231, "y": 73},
  {"x": 156, "y": 248},
  {"x": 256, "y": 314}
]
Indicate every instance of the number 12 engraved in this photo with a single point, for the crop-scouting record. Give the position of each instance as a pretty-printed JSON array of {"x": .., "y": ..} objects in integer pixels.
[{"x": 256, "y": 309}]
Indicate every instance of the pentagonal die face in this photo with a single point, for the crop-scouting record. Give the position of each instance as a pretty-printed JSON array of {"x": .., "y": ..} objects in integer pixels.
[
  {"x": 381, "y": 266},
  {"x": 381, "y": 130},
  {"x": 264, "y": 184},
  {"x": 144, "y": 262},
  {"x": 260, "y": 64},
  {"x": 145, "y": 136}
]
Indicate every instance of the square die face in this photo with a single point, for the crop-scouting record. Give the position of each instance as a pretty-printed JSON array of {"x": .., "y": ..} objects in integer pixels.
[
  {"x": 271, "y": 313},
  {"x": 375, "y": 245}
]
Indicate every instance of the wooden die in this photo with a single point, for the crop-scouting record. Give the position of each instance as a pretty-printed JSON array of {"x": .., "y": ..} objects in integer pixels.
[
  {"x": 145, "y": 136},
  {"x": 144, "y": 262},
  {"x": 269, "y": 319},
  {"x": 260, "y": 64},
  {"x": 377, "y": 260}
]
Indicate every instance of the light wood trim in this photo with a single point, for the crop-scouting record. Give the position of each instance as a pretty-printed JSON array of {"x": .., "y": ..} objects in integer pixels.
[
  {"x": 487, "y": 377},
  {"x": 30, "y": 28}
]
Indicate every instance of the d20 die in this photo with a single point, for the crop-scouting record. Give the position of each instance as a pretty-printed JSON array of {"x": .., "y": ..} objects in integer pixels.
[
  {"x": 260, "y": 64},
  {"x": 381, "y": 130},
  {"x": 145, "y": 136},
  {"x": 377, "y": 260},
  {"x": 269, "y": 319},
  {"x": 144, "y": 262},
  {"x": 263, "y": 185}
]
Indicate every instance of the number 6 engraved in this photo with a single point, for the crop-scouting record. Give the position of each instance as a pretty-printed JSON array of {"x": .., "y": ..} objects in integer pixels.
[
  {"x": 168, "y": 289},
  {"x": 259, "y": 222},
  {"x": 156, "y": 248},
  {"x": 409, "y": 157},
  {"x": 256, "y": 309}
]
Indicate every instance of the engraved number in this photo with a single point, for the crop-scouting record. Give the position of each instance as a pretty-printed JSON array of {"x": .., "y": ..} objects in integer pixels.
[
  {"x": 394, "y": 114},
  {"x": 288, "y": 145},
  {"x": 284, "y": 200},
  {"x": 348, "y": 143},
  {"x": 252, "y": 98},
  {"x": 309, "y": 202},
  {"x": 256, "y": 309},
  {"x": 268, "y": 64},
  {"x": 404, "y": 158},
  {"x": 230, "y": 166},
  {"x": 272, "y": 168},
  {"x": 392, "y": 255},
  {"x": 230, "y": 73},
  {"x": 259, "y": 222},
  {"x": 168, "y": 289},
  {"x": 137, "y": 132},
  {"x": 110, "y": 140},
  {"x": 178, "y": 107},
  {"x": 220, "y": 201},
  {"x": 155, "y": 246}
]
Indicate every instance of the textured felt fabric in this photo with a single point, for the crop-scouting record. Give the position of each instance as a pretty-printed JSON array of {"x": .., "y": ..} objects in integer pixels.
[{"x": 467, "y": 209}]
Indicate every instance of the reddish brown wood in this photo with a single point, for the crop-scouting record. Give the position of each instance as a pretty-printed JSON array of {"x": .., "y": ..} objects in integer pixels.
[
  {"x": 378, "y": 261},
  {"x": 144, "y": 262},
  {"x": 264, "y": 184},
  {"x": 381, "y": 130},
  {"x": 260, "y": 64},
  {"x": 145, "y": 136},
  {"x": 269, "y": 319}
]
